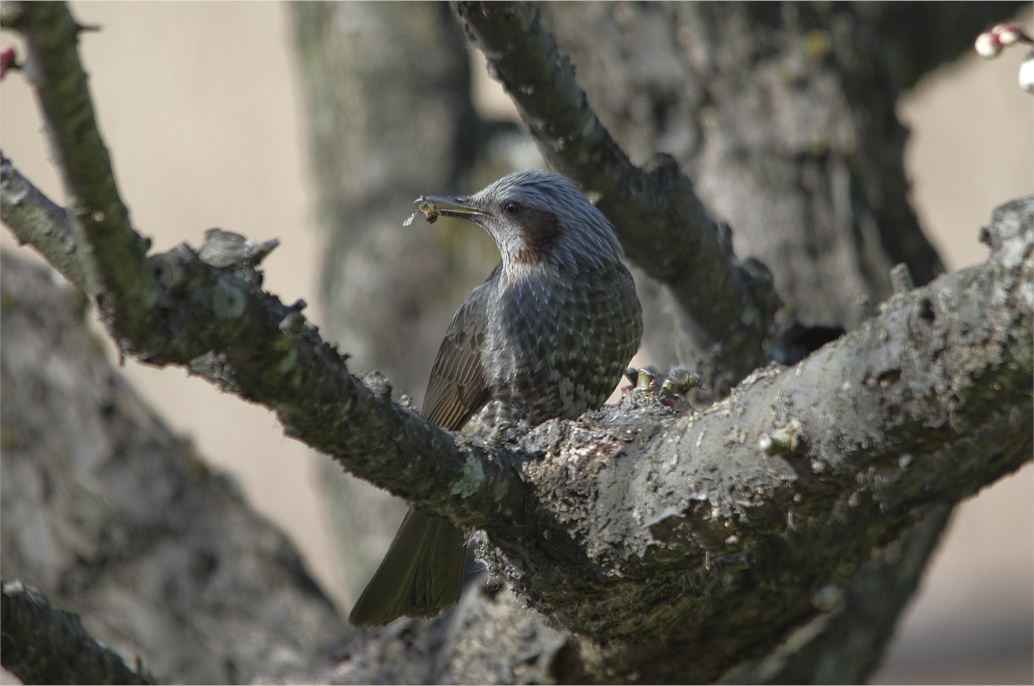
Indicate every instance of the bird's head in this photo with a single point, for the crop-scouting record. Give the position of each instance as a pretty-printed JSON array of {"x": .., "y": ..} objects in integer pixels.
[{"x": 537, "y": 218}]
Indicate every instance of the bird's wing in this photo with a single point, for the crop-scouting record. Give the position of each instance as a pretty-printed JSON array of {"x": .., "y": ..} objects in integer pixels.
[{"x": 457, "y": 388}]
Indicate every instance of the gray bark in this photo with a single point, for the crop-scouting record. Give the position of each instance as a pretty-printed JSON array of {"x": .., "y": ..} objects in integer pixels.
[
  {"x": 820, "y": 198},
  {"x": 391, "y": 120},
  {"x": 117, "y": 519},
  {"x": 45, "y": 645},
  {"x": 680, "y": 545}
]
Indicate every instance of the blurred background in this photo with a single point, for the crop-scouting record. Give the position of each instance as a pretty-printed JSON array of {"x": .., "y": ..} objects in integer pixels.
[{"x": 200, "y": 108}]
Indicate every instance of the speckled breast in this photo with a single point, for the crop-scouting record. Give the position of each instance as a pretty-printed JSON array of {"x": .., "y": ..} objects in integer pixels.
[{"x": 557, "y": 344}]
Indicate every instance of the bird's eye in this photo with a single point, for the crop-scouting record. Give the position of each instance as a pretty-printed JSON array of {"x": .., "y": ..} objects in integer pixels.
[{"x": 511, "y": 208}]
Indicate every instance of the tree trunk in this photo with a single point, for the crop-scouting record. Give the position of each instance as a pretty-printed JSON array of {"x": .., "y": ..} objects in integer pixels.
[{"x": 116, "y": 519}]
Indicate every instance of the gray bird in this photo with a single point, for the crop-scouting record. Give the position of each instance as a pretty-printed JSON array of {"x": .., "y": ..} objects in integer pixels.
[{"x": 549, "y": 334}]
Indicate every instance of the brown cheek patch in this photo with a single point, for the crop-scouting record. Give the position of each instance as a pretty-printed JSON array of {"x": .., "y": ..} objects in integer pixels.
[{"x": 542, "y": 231}]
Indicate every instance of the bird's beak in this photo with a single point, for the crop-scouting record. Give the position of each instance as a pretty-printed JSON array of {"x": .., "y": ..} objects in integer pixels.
[{"x": 450, "y": 206}]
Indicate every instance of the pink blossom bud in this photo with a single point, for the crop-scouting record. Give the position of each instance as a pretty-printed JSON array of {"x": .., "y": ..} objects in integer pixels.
[
  {"x": 7, "y": 60},
  {"x": 1007, "y": 34},
  {"x": 987, "y": 45}
]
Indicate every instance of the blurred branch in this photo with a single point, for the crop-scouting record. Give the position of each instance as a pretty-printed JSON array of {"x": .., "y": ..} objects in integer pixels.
[
  {"x": 45, "y": 645},
  {"x": 662, "y": 224},
  {"x": 921, "y": 36},
  {"x": 160, "y": 554},
  {"x": 846, "y": 645},
  {"x": 38, "y": 221}
]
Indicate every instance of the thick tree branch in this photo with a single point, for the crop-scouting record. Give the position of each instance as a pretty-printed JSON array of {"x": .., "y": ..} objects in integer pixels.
[
  {"x": 639, "y": 522},
  {"x": 208, "y": 312},
  {"x": 45, "y": 645},
  {"x": 727, "y": 528},
  {"x": 662, "y": 224},
  {"x": 221, "y": 325}
]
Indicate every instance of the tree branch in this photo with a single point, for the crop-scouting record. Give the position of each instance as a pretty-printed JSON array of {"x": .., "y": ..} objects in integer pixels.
[
  {"x": 718, "y": 529},
  {"x": 208, "y": 312},
  {"x": 662, "y": 224},
  {"x": 220, "y": 324},
  {"x": 42, "y": 222},
  {"x": 45, "y": 645},
  {"x": 640, "y": 522},
  {"x": 110, "y": 251}
]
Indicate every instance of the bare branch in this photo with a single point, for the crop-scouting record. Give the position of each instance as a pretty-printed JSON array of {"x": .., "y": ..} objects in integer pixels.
[
  {"x": 726, "y": 502},
  {"x": 662, "y": 224},
  {"x": 45, "y": 645},
  {"x": 218, "y": 322},
  {"x": 110, "y": 252},
  {"x": 641, "y": 522},
  {"x": 718, "y": 529},
  {"x": 37, "y": 220}
]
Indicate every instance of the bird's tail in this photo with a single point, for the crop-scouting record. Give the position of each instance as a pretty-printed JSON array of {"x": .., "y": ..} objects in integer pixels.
[{"x": 420, "y": 575}]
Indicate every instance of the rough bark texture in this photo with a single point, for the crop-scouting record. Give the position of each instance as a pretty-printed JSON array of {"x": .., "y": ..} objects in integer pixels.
[
  {"x": 645, "y": 58},
  {"x": 737, "y": 541},
  {"x": 783, "y": 115},
  {"x": 118, "y": 520},
  {"x": 391, "y": 120},
  {"x": 775, "y": 155},
  {"x": 767, "y": 531},
  {"x": 931, "y": 402}
]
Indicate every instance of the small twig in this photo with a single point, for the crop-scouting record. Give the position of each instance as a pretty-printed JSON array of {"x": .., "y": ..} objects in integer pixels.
[{"x": 38, "y": 221}]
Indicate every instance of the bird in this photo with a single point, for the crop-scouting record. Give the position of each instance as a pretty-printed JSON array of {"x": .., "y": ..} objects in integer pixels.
[{"x": 548, "y": 335}]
